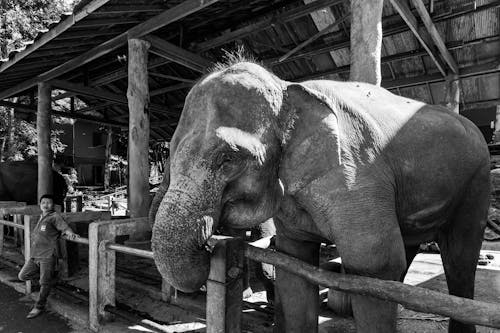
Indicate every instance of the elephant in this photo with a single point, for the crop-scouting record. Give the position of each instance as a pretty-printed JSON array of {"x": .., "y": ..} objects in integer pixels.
[
  {"x": 264, "y": 272},
  {"x": 332, "y": 162},
  {"x": 19, "y": 181}
]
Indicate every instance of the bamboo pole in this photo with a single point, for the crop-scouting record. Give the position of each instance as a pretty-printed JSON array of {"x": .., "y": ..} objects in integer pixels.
[{"x": 415, "y": 298}]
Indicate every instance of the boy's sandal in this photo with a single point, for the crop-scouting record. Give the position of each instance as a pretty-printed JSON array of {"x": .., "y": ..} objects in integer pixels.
[{"x": 35, "y": 312}]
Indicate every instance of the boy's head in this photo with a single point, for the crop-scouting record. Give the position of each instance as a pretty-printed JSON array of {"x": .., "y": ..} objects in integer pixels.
[{"x": 47, "y": 203}]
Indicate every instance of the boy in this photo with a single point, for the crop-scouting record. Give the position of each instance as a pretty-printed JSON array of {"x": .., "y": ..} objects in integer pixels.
[{"x": 44, "y": 251}]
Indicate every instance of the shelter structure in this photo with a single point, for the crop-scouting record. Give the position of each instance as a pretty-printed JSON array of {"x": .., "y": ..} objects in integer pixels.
[{"x": 133, "y": 62}]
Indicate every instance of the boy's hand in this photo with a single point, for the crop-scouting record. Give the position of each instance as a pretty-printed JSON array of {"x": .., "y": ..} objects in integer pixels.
[{"x": 70, "y": 235}]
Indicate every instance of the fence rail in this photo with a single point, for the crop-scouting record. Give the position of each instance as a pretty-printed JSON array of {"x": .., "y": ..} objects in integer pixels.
[{"x": 411, "y": 297}]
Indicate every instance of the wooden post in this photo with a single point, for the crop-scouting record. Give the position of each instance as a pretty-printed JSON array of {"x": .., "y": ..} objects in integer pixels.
[
  {"x": 107, "y": 171},
  {"x": 138, "y": 99},
  {"x": 43, "y": 120},
  {"x": 29, "y": 220},
  {"x": 366, "y": 40},
  {"x": 452, "y": 92},
  {"x": 101, "y": 272},
  {"x": 225, "y": 287},
  {"x": 166, "y": 291}
]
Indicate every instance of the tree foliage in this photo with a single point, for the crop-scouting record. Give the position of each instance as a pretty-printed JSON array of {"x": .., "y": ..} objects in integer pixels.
[{"x": 22, "y": 20}]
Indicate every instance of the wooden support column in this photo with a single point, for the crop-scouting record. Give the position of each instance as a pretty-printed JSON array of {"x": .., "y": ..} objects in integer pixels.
[
  {"x": 138, "y": 140},
  {"x": 43, "y": 120},
  {"x": 29, "y": 222},
  {"x": 366, "y": 40},
  {"x": 225, "y": 286},
  {"x": 107, "y": 171},
  {"x": 452, "y": 86}
]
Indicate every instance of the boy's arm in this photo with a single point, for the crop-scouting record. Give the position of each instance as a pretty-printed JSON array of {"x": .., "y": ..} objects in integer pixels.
[{"x": 63, "y": 227}]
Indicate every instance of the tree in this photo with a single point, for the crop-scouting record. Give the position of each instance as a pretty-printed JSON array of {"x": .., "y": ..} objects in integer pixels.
[{"x": 22, "y": 21}]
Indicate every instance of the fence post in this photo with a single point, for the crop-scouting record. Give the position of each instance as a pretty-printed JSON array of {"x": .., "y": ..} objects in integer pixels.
[
  {"x": 225, "y": 286},
  {"x": 101, "y": 272},
  {"x": 27, "y": 244},
  {"x": 166, "y": 291}
]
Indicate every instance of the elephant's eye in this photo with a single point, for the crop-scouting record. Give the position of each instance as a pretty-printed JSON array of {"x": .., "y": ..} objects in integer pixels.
[{"x": 225, "y": 158}]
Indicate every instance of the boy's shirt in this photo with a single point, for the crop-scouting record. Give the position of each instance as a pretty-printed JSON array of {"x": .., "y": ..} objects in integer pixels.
[{"x": 45, "y": 235}]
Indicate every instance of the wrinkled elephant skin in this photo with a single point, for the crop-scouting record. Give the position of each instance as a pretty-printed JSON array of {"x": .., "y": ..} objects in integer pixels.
[
  {"x": 19, "y": 181},
  {"x": 342, "y": 162}
]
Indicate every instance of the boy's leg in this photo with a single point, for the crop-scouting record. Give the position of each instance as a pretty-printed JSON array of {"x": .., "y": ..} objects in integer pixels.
[
  {"x": 47, "y": 267},
  {"x": 30, "y": 271}
]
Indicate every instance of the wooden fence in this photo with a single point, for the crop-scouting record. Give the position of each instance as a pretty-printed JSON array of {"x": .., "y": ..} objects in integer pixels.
[{"x": 224, "y": 288}]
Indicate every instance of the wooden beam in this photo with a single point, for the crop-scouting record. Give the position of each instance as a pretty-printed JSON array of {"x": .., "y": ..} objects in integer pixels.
[
  {"x": 398, "y": 57},
  {"x": 43, "y": 125},
  {"x": 335, "y": 44},
  {"x": 122, "y": 73},
  {"x": 31, "y": 110},
  {"x": 317, "y": 35},
  {"x": 91, "y": 23},
  {"x": 452, "y": 92},
  {"x": 138, "y": 138},
  {"x": 104, "y": 95},
  {"x": 55, "y": 31},
  {"x": 488, "y": 68},
  {"x": 269, "y": 20},
  {"x": 405, "y": 12},
  {"x": 174, "y": 87},
  {"x": 171, "y": 77},
  {"x": 171, "y": 15},
  {"x": 176, "y": 54},
  {"x": 436, "y": 37}
]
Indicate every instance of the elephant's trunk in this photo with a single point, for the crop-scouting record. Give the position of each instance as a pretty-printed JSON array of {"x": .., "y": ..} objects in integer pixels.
[{"x": 184, "y": 223}]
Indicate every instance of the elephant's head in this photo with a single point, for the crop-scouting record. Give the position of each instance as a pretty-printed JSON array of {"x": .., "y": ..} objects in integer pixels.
[{"x": 224, "y": 161}]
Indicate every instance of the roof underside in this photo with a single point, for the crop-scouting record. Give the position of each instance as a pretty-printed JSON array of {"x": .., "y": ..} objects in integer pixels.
[{"x": 470, "y": 30}]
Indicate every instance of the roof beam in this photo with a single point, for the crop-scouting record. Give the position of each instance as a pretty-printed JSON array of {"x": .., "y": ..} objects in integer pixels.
[
  {"x": 311, "y": 39},
  {"x": 176, "y": 54},
  {"x": 399, "y": 56},
  {"x": 174, "y": 87},
  {"x": 32, "y": 110},
  {"x": 487, "y": 68},
  {"x": 436, "y": 37},
  {"x": 403, "y": 9},
  {"x": 171, "y": 15},
  {"x": 56, "y": 31},
  {"x": 253, "y": 27},
  {"x": 335, "y": 44},
  {"x": 104, "y": 95}
]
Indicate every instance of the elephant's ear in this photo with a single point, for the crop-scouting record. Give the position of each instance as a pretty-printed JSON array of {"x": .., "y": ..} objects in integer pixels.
[
  {"x": 162, "y": 190},
  {"x": 310, "y": 135}
]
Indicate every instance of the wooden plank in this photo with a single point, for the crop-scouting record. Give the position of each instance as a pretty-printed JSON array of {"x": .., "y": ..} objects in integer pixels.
[
  {"x": 138, "y": 139},
  {"x": 54, "y": 32},
  {"x": 171, "y": 15},
  {"x": 317, "y": 35},
  {"x": 43, "y": 125},
  {"x": 270, "y": 20},
  {"x": 225, "y": 286},
  {"x": 171, "y": 77},
  {"x": 178, "y": 55},
  {"x": 436, "y": 37},
  {"x": 405, "y": 12},
  {"x": 107, "y": 154},
  {"x": 411, "y": 297}
]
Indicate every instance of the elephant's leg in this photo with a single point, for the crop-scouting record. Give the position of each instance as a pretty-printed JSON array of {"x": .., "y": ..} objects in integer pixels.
[
  {"x": 460, "y": 244},
  {"x": 297, "y": 306},
  {"x": 379, "y": 254}
]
